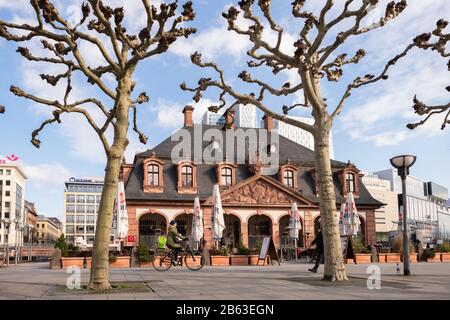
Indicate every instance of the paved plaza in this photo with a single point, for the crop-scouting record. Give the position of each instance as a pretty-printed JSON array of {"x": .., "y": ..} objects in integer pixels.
[{"x": 288, "y": 281}]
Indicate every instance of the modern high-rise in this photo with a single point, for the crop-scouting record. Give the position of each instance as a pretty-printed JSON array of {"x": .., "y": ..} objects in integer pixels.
[
  {"x": 386, "y": 217},
  {"x": 212, "y": 118},
  {"x": 245, "y": 116},
  {"x": 299, "y": 135},
  {"x": 425, "y": 203},
  {"x": 81, "y": 206},
  {"x": 12, "y": 204}
]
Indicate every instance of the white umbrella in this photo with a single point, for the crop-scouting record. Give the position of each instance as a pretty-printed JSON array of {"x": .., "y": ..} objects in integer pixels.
[
  {"x": 294, "y": 225},
  {"x": 197, "y": 222},
  {"x": 349, "y": 221},
  {"x": 121, "y": 230},
  {"x": 218, "y": 221}
]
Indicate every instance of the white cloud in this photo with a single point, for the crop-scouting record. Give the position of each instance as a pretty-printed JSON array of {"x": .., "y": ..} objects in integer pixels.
[
  {"x": 169, "y": 114},
  {"x": 47, "y": 175}
]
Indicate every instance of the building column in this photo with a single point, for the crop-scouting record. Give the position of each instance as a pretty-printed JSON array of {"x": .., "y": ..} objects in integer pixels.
[
  {"x": 276, "y": 234},
  {"x": 308, "y": 227},
  {"x": 371, "y": 236},
  {"x": 244, "y": 233},
  {"x": 207, "y": 215}
]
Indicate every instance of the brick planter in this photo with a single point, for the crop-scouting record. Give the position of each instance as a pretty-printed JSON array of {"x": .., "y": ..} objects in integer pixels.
[
  {"x": 220, "y": 260},
  {"x": 393, "y": 257},
  {"x": 67, "y": 262},
  {"x": 413, "y": 257},
  {"x": 88, "y": 262},
  {"x": 349, "y": 261},
  {"x": 239, "y": 260},
  {"x": 436, "y": 258},
  {"x": 146, "y": 264},
  {"x": 363, "y": 258},
  {"x": 121, "y": 262},
  {"x": 445, "y": 256},
  {"x": 254, "y": 260},
  {"x": 382, "y": 258}
]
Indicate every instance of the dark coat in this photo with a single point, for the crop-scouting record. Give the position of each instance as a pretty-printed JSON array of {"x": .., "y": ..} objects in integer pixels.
[
  {"x": 318, "y": 241},
  {"x": 172, "y": 237}
]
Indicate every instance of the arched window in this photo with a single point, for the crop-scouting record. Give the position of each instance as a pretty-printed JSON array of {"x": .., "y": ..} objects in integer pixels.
[
  {"x": 350, "y": 182},
  {"x": 186, "y": 177},
  {"x": 153, "y": 175},
  {"x": 289, "y": 178},
  {"x": 227, "y": 177}
]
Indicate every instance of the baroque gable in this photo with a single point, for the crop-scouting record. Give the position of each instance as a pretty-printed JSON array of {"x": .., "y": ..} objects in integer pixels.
[{"x": 260, "y": 191}]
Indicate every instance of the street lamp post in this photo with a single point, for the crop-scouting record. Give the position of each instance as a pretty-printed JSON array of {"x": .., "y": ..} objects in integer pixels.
[
  {"x": 402, "y": 164},
  {"x": 6, "y": 225},
  {"x": 16, "y": 237},
  {"x": 30, "y": 240}
]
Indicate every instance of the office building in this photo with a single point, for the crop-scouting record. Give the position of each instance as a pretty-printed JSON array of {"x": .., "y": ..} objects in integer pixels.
[
  {"x": 48, "y": 230},
  {"x": 12, "y": 204},
  {"x": 81, "y": 206}
]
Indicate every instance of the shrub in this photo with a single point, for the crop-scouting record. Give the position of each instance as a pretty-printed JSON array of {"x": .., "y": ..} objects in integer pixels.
[
  {"x": 398, "y": 245},
  {"x": 359, "y": 247},
  {"x": 445, "y": 247},
  {"x": 62, "y": 245},
  {"x": 243, "y": 250},
  {"x": 224, "y": 251},
  {"x": 112, "y": 259},
  {"x": 427, "y": 253},
  {"x": 144, "y": 253}
]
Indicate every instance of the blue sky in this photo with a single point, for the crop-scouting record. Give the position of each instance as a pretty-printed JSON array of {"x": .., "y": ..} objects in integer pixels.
[{"x": 370, "y": 130}]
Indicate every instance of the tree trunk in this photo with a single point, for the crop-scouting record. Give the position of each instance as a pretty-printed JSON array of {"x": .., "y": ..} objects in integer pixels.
[
  {"x": 334, "y": 264},
  {"x": 100, "y": 260}
]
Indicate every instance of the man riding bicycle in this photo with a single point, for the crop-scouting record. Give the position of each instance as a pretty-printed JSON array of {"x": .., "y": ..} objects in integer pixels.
[{"x": 173, "y": 239}]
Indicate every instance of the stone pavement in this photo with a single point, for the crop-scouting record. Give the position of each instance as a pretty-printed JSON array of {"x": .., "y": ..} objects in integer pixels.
[{"x": 288, "y": 281}]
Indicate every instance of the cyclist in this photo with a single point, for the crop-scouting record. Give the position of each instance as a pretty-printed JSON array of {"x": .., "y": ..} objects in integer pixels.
[{"x": 173, "y": 239}]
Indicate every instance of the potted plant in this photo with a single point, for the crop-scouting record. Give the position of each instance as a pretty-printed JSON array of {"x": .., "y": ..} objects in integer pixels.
[
  {"x": 412, "y": 252},
  {"x": 395, "y": 255},
  {"x": 254, "y": 253},
  {"x": 362, "y": 253},
  {"x": 445, "y": 251},
  {"x": 427, "y": 255},
  {"x": 382, "y": 253},
  {"x": 241, "y": 257},
  {"x": 118, "y": 261},
  {"x": 73, "y": 258},
  {"x": 145, "y": 258},
  {"x": 436, "y": 257},
  {"x": 220, "y": 257}
]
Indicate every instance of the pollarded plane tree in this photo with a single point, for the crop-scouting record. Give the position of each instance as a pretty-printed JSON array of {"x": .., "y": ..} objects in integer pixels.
[
  {"x": 316, "y": 59},
  {"x": 436, "y": 41},
  {"x": 101, "y": 26}
]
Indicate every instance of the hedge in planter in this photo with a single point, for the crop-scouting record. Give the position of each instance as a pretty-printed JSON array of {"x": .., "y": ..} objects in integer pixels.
[
  {"x": 220, "y": 257},
  {"x": 362, "y": 252},
  {"x": 241, "y": 258}
]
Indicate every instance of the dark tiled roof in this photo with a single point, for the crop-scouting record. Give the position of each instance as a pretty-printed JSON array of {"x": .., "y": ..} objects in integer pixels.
[{"x": 206, "y": 176}]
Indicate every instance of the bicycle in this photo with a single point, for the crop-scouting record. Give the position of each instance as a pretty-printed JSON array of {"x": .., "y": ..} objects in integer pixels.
[{"x": 193, "y": 259}]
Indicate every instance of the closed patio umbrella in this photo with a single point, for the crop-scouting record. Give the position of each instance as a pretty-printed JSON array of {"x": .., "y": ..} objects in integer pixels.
[
  {"x": 197, "y": 223},
  {"x": 294, "y": 225},
  {"x": 349, "y": 220},
  {"x": 121, "y": 230},
  {"x": 218, "y": 221}
]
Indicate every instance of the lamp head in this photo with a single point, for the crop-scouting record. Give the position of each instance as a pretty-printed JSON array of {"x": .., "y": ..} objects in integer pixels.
[{"x": 403, "y": 163}]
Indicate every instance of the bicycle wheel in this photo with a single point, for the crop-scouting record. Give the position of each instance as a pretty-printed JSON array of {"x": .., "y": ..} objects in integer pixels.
[
  {"x": 162, "y": 261},
  {"x": 194, "y": 260}
]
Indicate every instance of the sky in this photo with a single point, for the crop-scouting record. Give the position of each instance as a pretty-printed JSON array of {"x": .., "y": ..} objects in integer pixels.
[{"x": 369, "y": 131}]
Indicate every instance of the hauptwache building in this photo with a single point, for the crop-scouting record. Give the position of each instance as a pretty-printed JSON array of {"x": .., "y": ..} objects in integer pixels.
[{"x": 159, "y": 189}]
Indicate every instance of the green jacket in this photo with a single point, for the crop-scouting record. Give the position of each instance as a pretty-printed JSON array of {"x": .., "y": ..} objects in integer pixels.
[{"x": 171, "y": 236}]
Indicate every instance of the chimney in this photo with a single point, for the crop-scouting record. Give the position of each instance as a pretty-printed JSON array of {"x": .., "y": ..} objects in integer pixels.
[
  {"x": 188, "y": 110},
  {"x": 268, "y": 123},
  {"x": 229, "y": 119}
]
